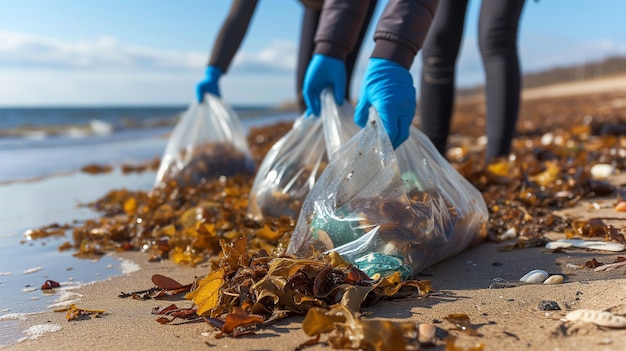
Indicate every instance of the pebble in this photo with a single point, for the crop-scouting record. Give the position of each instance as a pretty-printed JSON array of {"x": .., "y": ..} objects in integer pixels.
[
  {"x": 535, "y": 276},
  {"x": 427, "y": 333},
  {"x": 602, "y": 170},
  {"x": 601, "y": 318},
  {"x": 549, "y": 305},
  {"x": 554, "y": 279},
  {"x": 621, "y": 206}
]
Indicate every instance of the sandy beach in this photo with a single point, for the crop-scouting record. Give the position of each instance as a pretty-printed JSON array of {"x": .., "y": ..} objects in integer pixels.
[{"x": 506, "y": 318}]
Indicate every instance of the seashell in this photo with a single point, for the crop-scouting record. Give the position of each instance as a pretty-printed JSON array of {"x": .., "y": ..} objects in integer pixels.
[
  {"x": 427, "y": 333},
  {"x": 594, "y": 245},
  {"x": 535, "y": 276},
  {"x": 601, "y": 318},
  {"x": 621, "y": 206},
  {"x": 510, "y": 233},
  {"x": 553, "y": 245},
  {"x": 554, "y": 279},
  {"x": 610, "y": 266},
  {"x": 602, "y": 170}
]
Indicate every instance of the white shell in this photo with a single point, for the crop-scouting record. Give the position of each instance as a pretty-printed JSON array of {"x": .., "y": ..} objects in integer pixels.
[
  {"x": 535, "y": 276},
  {"x": 510, "y": 233},
  {"x": 601, "y": 318},
  {"x": 557, "y": 245},
  {"x": 554, "y": 279},
  {"x": 602, "y": 170},
  {"x": 427, "y": 333},
  {"x": 594, "y": 245}
]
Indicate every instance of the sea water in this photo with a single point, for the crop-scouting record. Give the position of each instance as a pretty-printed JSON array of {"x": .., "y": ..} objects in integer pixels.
[{"x": 41, "y": 153}]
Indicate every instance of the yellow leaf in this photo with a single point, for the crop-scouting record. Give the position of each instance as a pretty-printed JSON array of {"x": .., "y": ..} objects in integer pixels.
[
  {"x": 319, "y": 320},
  {"x": 549, "y": 175},
  {"x": 500, "y": 168},
  {"x": 336, "y": 260},
  {"x": 207, "y": 295},
  {"x": 130, "y": 206},
  {"x": 268, "y": 234}
]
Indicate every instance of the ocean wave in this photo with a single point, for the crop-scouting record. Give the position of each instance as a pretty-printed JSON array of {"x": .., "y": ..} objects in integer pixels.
[{"x": 95, "y": 127}]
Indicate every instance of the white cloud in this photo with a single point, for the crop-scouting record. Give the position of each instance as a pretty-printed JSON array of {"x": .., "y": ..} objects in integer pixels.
[
  {"x": 42, "y": 70},
  {"x": 28, "y": 50}
]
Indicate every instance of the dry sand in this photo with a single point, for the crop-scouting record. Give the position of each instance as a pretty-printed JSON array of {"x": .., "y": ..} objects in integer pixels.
[{"x": 507, "y": 319}]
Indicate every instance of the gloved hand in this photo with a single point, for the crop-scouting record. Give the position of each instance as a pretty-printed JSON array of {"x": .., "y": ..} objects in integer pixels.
[
  {"x": 323, "y": 72},
  {"x": 389, "y": 88},
  {"x": 210, "y": 83}
]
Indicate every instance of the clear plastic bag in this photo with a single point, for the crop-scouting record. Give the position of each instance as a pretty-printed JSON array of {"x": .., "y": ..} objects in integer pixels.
[
  {"x": 386, "y": 210},
  {"x": 207, "y": 142},
  {"x": 293, "y": 164}
]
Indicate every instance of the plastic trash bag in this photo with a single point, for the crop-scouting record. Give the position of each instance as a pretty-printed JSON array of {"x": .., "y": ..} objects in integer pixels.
[
  {"x": 207, "y": 142},
  {"x": 293, "y": 164},
  {"x": 387, "y": 211}
]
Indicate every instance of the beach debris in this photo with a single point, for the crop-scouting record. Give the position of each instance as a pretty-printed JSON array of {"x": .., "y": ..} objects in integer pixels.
[
  {"x": 556, "y": 245},
  {"x": 601, "y": 318},
  {"x": 452, "y": 345},
  {"x": 593, "y": 263},
  {"x": 585, "y": 244},
  {"x": 292, "y": 284},
  {"x": 95, "y": 168},
  {"x": 510, "y": 233},
  {"x": 535, "y": 276},
  {"x": 554, "y": 279},
  {"x": 53, "y": 229},
  {"x": 349, "y": 331},
  {"x": 238, "y": 322},
  {"x": 610, "y": 266},
  {"x": 621, "y": 206},
  {"x": 522, "y": 243},
  {"x": 462, "y": 322},
  {"x": 594, "y": 227},
  {"x": 76, "y": 313},
  {"x": 50, "y": 284},
  {"x": 601, "y": 170},
  {"x": 427, "y": 334},
  {"x": 164, "y": 287},
  {"x": 503, "y": 284},
  {"x": 573, "y": 266},
  {"x": 172, "y": 312},
  {"x": 549, "y": 305}
]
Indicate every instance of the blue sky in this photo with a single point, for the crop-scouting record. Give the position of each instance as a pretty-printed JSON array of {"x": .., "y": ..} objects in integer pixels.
[{"x": 76, "y": 52}]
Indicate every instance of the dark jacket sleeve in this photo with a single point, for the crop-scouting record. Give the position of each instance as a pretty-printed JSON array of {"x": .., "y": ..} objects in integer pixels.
[
  {"x": 399, "y": 35},
  {"x": 339, "y": 27},
  {"x": 402, "y": 29},
  {"x": 232, "y": 32}
]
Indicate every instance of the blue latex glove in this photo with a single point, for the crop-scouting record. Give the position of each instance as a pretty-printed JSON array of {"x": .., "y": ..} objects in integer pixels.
[
  {"x": 210, "y": 83},
  {"x": 389, "y": 88},
  {"x": 323, "y": 72}
]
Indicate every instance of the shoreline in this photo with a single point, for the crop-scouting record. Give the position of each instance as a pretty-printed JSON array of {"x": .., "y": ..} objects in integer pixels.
[{"x": 506, "y": 318}]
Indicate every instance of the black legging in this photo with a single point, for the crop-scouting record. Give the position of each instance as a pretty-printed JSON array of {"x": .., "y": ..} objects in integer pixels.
[
  {"x": 310, "y": 20},
  {"x": 497, "y": 30}
]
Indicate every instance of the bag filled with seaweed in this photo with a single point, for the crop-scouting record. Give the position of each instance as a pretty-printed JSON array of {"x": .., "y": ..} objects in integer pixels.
[
  {"x": 208, "y": 141},
  {"x": 293, "y": 164},
  {"x": 387, "y": 210}
]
